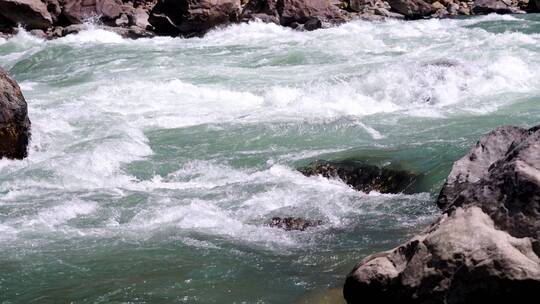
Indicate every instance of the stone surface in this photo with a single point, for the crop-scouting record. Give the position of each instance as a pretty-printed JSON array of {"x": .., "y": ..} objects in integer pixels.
[
  {"x": 30, "y": 13},
  {"x": 475, "y": 164},
  {"x": 14, "y": 122},
  {"x": 363, "y": 177},
  {"x": 484, "y": 248}
]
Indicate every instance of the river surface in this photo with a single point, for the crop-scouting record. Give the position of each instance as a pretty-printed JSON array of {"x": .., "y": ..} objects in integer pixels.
[{"x": 155, "y": 164}]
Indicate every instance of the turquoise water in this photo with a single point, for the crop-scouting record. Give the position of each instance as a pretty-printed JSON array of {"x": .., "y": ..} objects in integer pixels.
[{"x": 155, "y": 164}]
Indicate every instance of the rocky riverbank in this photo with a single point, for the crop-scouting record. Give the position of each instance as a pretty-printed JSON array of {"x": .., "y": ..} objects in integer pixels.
[
  {"x": 145, "y": 18},
  {"x": 485, "y": 247}
]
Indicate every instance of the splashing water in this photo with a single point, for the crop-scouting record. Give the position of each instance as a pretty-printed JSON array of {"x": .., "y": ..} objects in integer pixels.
[{"x": 155, "y": 164}]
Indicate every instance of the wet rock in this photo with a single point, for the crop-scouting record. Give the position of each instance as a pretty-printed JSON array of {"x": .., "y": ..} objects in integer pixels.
[
  {"x": 73, "y": 29},
  {"x": 14, "y": 122},
  {"x": 484, "y": 248},
  {"x": 292, "y": 223},
  {"x": 30, "y": 13},
  {"x": 412, "y": 9},
  {"x": 39, "y": 34},
  {"x": 312, "y": 24},
  {"x": 193, "y": 17},
  {"x": 363, "y": 177},
  {"x": 132, "y": 32}
]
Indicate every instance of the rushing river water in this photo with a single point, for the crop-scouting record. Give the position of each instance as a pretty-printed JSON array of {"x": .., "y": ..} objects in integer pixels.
[{"x": 155, "y": 164}]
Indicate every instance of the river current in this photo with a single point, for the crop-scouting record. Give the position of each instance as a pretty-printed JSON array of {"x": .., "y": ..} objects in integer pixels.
[{"x": 156, "y": 164}]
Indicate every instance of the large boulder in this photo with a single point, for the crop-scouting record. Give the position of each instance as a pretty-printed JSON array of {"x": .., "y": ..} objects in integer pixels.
[
  {"x": 30, "y": 13},
  {"x": 364, "y": 177},
  {"x": 484, "y": 248},
  {"x": 14, "y": 122},
  {"x": 192, "y": 17},
  {"x": 302, "y": 11},
  {"x": 412, "y": 9},
  {"x": 77, "y": 11},
  {"x": 494, "y": 6}
]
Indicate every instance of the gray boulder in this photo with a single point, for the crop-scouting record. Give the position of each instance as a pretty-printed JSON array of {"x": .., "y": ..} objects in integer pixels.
[
  {"x": 14, "y": 122},
  {"x": 485, "y": 246}
]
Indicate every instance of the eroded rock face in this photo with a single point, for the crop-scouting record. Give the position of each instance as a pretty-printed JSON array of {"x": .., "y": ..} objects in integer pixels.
[
  {"x": 14, "y": 122},
  {"x": 192, "y": 17},
  {"x": 292, "y": 223},
  {"x": 363, "y": 177},
  {"x": 30, "y": 13},
  {"x": 485, "y": 246}
]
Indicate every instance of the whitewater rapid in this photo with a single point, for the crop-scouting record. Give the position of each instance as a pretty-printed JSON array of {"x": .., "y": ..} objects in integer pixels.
[{"x": 180, "y": 150}]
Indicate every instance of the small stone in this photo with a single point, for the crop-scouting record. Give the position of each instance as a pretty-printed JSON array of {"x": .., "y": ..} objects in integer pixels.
[
  {"x": 122, "y": 21},
  {"x": 437, "y": 5}
]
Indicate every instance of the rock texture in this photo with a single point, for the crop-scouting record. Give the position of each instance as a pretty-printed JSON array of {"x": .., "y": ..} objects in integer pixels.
[
  {"x": 412, "y": 9},
  {"x": 193, "y": 17},
  {"x": 140, "y": 18},
  {"x": 292, "y": 223},
  {"x": 31, "y": 13},
  {"x": 363, "y": 177},
  {"x": 14, "y": 122},
  {"x": 484, "y": 248}
]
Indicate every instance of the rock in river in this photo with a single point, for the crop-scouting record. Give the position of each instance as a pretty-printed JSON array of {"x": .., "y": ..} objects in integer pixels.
[
  {"x": 362, "y": 176},
  {"x": 292, "y": 223},
  {"x": 484, "y": 248},
  {"x": 14, "y": 122}
]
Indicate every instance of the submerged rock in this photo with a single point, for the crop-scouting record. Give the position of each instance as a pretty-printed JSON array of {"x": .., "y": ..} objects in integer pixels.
[
  {"x": 14, "y": 122},
  {"x": 292, "y": 223},
  {"x": 486, "y": 245},
  {"x": 363, "y": 177}
]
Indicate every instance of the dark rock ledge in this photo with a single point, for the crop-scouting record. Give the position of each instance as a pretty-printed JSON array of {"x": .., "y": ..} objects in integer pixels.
[
  {"x": 364, "y": 177},
  {"x": 145, "y": 18},
  {"x": 14, "y": 122},
  {"x": 484, "y": 248}
]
